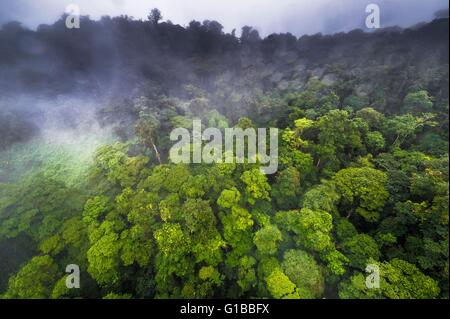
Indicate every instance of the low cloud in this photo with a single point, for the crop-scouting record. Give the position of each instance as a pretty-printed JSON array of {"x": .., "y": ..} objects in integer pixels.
[{"x": 268, "y": 16}]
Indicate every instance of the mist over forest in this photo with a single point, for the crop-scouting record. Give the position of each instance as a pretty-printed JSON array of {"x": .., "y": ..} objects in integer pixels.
[{"x": 85, "y": 176}]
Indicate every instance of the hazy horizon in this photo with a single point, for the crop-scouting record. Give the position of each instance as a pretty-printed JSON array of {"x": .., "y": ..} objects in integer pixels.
[{"x": 267, "y": 16}]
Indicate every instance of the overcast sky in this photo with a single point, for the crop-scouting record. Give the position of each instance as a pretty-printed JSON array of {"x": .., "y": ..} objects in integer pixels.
[{"x": 268, "y": 16}]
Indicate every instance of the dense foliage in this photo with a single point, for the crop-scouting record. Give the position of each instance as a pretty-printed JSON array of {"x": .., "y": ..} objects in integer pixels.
[{"x": 362, "y": 179}]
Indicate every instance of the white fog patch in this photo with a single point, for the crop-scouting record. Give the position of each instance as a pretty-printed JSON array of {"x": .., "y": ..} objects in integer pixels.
[{"x": 68, "y": 137}]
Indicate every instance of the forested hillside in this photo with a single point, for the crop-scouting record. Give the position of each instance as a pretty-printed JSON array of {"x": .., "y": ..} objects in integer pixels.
[{"x": 85, "y": 177}]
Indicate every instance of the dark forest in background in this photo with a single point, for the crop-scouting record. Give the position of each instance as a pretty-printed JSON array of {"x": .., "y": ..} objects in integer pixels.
[{"x": 363, "y": 174}]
